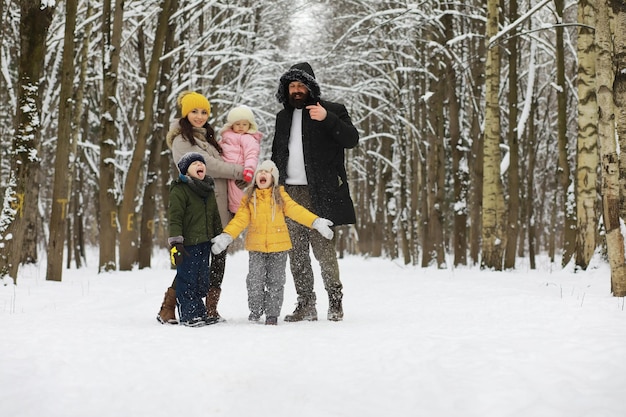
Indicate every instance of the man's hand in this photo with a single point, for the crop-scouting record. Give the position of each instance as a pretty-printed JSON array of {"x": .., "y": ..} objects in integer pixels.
[{"x": 317, "y": 112}]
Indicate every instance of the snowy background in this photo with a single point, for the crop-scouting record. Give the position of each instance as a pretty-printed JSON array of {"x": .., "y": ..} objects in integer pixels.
[{"x": 414, "y": 342}]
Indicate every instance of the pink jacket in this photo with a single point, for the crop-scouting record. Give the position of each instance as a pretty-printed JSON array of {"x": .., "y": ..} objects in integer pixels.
[{"x": 242, "y": 149}]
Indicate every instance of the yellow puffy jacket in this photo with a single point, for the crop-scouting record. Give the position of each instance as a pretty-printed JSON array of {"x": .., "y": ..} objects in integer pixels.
[{"x": 267, "y": 230}]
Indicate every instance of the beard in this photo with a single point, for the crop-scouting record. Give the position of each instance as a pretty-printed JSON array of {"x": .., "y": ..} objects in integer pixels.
[{"x": 298, "y": 100}]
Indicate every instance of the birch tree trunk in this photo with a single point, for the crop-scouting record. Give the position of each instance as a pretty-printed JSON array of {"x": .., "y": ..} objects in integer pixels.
[
  {"x": 587, "y": 145},
  {"x": 619, "y": 95},
  {"x": 609, "y": 159},
  {"x": 21, "y": 194},
  {"x": 108, "y": 223},
  {"x": 493, "y": 214},
  {"x": 62, "y": 179}
]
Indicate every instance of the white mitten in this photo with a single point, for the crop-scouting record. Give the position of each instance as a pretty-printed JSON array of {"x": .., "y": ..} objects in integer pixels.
[
  {"x": 323, "y": 226},
  {"x": 220, "y": 243}
]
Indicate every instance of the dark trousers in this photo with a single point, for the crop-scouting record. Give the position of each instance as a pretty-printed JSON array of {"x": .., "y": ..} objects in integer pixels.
[
  {"x": 216, "y": 270},
  {"x": 323, "y": 249},
  {"x": 192, "y": 281}
]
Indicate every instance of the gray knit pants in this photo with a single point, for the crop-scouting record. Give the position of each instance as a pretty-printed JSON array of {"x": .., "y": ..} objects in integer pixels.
[{"x": 266, "y": 282}]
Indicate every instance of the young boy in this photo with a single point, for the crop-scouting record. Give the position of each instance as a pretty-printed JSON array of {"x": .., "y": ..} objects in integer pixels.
[
  {"x": 263, "y": 209},
  {"x": 193, "y": 221}
]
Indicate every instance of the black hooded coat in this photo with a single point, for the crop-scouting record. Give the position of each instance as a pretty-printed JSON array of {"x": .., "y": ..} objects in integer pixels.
[{"x": 323, "y": 145}]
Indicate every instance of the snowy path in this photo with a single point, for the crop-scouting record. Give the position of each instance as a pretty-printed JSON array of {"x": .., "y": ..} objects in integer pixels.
[{"x": 414, "y": 342}]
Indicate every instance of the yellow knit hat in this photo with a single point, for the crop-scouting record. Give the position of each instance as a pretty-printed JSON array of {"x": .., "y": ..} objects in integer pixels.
[{"x": 189, "y": 100}]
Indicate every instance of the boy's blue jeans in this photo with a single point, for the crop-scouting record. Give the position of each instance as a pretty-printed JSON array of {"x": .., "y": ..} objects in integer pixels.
[{"x": 192, "y": 281}]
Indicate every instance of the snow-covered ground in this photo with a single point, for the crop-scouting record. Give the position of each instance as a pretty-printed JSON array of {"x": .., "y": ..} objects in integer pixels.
[{"x": 414, "y": 342}]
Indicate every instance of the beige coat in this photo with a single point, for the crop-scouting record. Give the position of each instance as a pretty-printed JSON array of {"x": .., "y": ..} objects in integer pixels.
[{"x": 219, "y": 170}]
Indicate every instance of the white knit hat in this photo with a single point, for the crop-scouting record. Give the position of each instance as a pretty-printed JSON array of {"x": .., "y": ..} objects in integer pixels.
[
  {"x": 270, "y": 167},
  {"x": 240, "y": 113}
]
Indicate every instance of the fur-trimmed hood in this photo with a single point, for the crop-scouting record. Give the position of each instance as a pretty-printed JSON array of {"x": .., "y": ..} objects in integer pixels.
[
  {"x": 299, "y": 72},
  {"x": 198, "y": 132},
  {"x": 172, "y": 132}
]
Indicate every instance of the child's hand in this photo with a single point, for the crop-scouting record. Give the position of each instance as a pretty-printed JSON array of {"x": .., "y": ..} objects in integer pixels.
[
  {"x": 176, "y": 254},
  {"x": 248, "y": 174},
  {"x": 323, "y": 226},
  {"x": 220, "y": 243}
]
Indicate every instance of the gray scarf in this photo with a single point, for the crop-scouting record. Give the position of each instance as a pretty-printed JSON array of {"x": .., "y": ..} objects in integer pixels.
[{"x": 203, "y": 188}]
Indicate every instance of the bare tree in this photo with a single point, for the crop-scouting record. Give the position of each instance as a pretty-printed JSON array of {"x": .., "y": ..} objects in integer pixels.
[
  {"x": 62, "y": 181},
  {"x": 21, "y": 192},
  {"x": 512, "y": 229},
  {"x": 128, "y": 232},
  {"x": 112, "y": 33},
  {"x": 458, "y": 149},
  {"x": 563, "y": 171},
  {"x": 148, "y": 223}
]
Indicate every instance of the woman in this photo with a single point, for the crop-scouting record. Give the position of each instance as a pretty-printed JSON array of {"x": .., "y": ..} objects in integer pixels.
[{"x": 193, "y": 133}]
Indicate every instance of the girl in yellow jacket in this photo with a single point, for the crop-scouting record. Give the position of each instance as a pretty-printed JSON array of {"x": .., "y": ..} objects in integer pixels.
[{"x": 262, "y": 211}]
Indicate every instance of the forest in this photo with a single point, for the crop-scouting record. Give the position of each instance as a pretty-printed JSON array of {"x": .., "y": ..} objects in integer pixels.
[{"x": 489, "y": 130}]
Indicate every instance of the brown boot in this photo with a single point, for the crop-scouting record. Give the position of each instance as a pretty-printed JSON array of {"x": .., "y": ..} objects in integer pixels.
[
  {"x": 167, "y": 315},
  {"x": 305, "y": 310},
  {"x": 211, "y": 303}
]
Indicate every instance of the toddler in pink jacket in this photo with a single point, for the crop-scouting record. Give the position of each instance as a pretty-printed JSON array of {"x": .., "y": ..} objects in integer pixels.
[{"x": 241, "y": 144}]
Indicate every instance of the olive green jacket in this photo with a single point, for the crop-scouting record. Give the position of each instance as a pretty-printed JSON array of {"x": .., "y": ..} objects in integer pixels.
[{"x": 192, "y": 218}]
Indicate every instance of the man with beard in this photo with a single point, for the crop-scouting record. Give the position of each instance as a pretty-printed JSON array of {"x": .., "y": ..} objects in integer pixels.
[{"x": 308, "y": 148}]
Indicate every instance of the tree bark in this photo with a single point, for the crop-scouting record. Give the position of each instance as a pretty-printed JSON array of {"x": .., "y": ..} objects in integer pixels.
[
  {"x": 493, "y": 215},
  {"x": 158, "y": 140},
  {"x": 476, "y": 153},
  {"x": 62, "y": 180},
  {"x": 20, "y": 195},
  {"x": 76, "y": 239},
  {"x": 587, "y": 145},
  {"x": 459, "y": 155},
  {"x": 512, "y": 230},
  {"x": 128, "y": 209},
  {"x": 609, "y": 159},
  {"x": 530, "y": 191},
  {"x": 568, "y": 200},
  {"x": 619, "y": 95},
  {"x": 108, "y": 139}
]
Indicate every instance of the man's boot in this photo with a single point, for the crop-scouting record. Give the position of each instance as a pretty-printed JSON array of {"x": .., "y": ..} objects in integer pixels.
[
  {"x": 335, "y": 308},
  {"x": 305, "y": 310},
  {"x": 167, "y": 315},
  {"x": 212, "y": 298}
]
